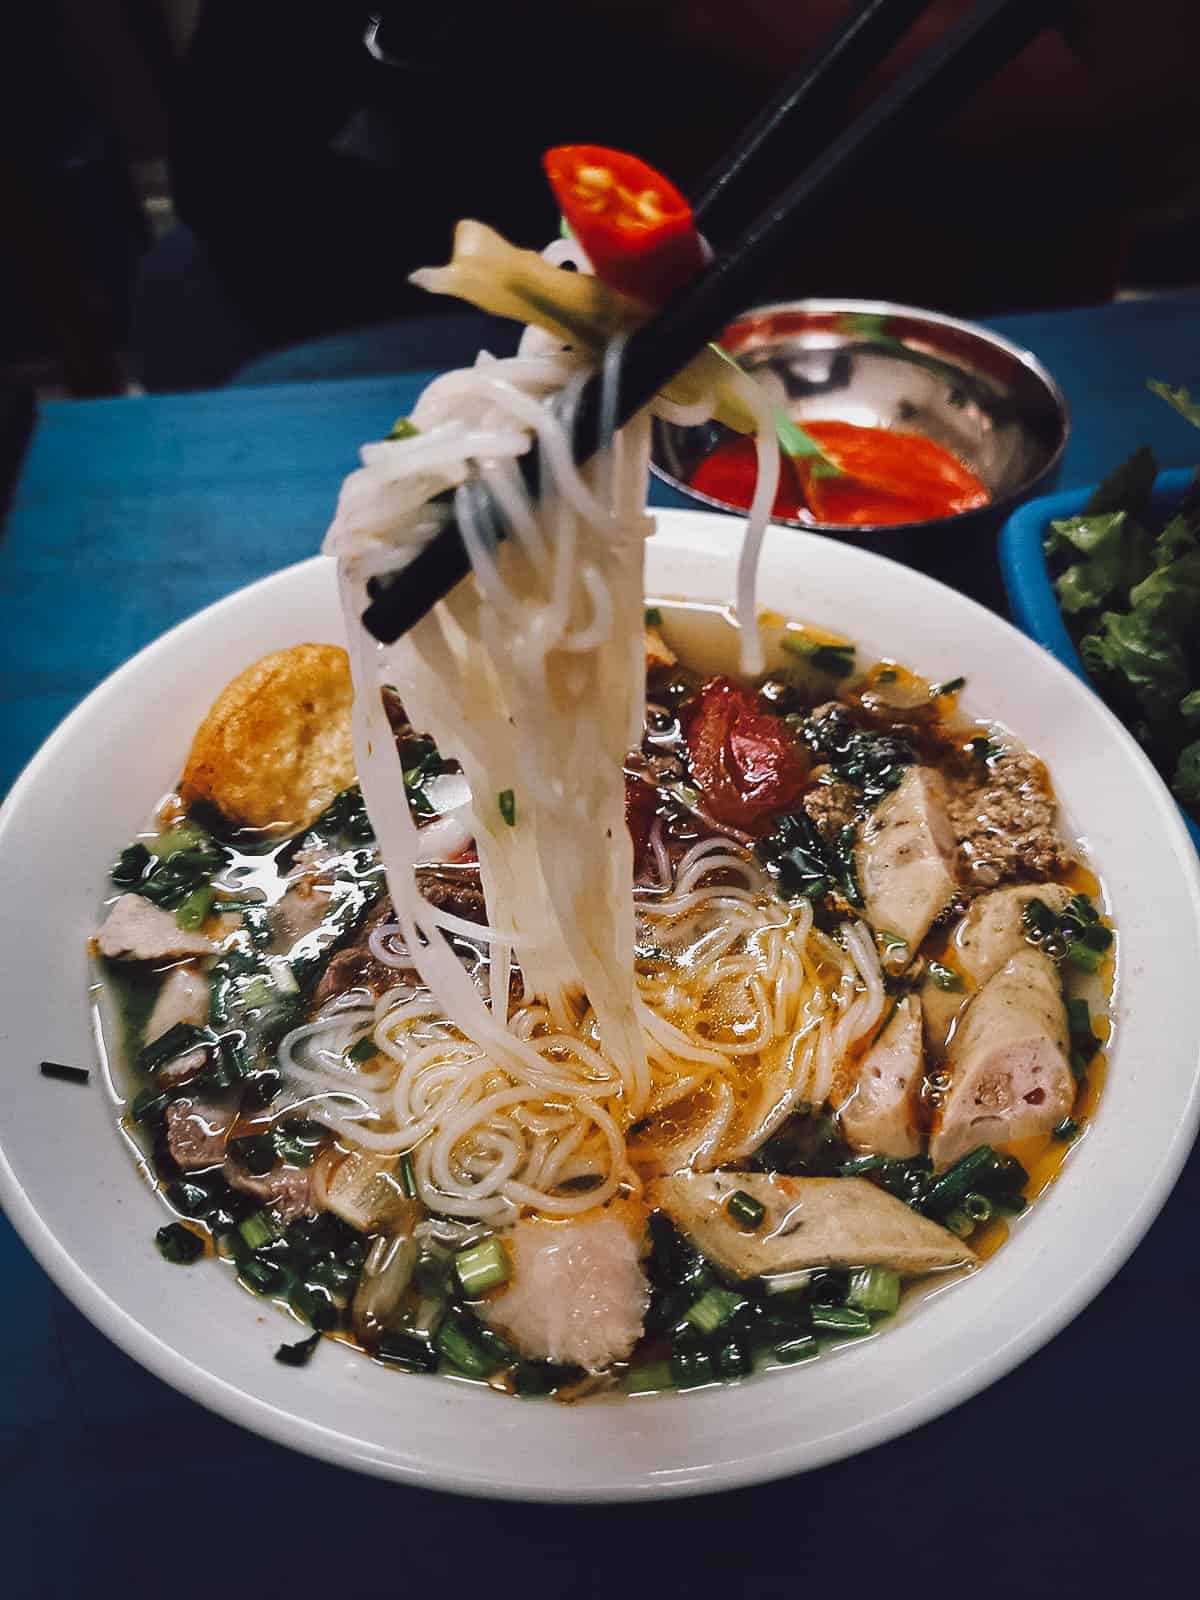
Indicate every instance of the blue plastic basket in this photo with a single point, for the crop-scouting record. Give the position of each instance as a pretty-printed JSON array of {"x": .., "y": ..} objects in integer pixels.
[{"x": 1030, "y": 591}]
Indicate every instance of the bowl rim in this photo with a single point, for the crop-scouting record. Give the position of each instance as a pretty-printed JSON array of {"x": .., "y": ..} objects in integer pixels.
[
  {"x": 824, "y": 305},
  {"x": 736, "y": 1463},
  {"x": 1027, "y": 581}
]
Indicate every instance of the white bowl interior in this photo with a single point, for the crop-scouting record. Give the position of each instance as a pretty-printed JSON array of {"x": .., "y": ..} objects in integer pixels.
[{"x": 69, "y": 1185}]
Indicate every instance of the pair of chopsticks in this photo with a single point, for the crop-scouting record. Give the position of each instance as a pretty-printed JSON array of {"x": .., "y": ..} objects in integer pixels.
[{"x": 747, "y": 250}]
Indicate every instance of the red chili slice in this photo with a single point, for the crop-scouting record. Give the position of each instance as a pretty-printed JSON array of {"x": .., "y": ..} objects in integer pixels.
[
  {"x": 744, "y": 761},
  {"x": 634, "y": 224}
]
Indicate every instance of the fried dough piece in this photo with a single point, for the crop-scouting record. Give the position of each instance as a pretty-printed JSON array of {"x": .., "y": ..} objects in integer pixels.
[{"x": 275, "y": 748}]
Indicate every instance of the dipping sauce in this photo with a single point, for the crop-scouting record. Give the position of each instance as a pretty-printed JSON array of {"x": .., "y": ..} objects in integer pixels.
[{"x": 889, "y": 478}]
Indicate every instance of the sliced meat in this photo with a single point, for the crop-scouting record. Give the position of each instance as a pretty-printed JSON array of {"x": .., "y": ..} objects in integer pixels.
[
  {"x": 905, "y": 858},
  {"x": 879, "y": 1116},
  {"x": 137, "y": 930},
  {"x": 992, "y": 930},
  {"x": 364, "y": 1190},
  {"x": 1008, "y": 1066},
  {"x": 288, "y": 1189},
  {"x": 454, "y": 889},
  {"x": 356, "y": 968},
  {"x": 198, "y": 1131},
  {"x": 1006, "y": 824},
  {"x": 809, "y": 1222},
  {"x": 182, "y": 998},
  {"x": 578, "y": 1294}
]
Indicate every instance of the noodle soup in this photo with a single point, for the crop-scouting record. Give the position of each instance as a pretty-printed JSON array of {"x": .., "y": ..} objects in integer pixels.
[{"x": 826, "y": 1122}]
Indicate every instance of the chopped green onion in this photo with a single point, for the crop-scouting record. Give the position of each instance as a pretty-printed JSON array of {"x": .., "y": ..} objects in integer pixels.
[
  {"x": 1084, "y": 956},
  {"x": 944, "y": 977},
  {"x": 949, "y": 1190},
  {"x": 403, "y": 428},
  {"x": 1038, "y": 919},
  {"x": 653, "y": 617},
  {"x": 130, "y": 866},
  {"x": 260, "y": 1228},
  {"x": 978, "y": 1207},
  {"x": 802, "y": 1348},
  {"x": 176, "y": 1041},
  {"x": 951, "y": 686},
  {"x": 483, "y": 1266},
  {"x": 408, "y": 1352},
  {"x": 692, "y": 1368},
  {"x": 745, "y": 1210},
  {"x": 64, "y": 1073},
  {"x": 840, "y": 1321},
  {"x": 148, "y": 1105},
  {"x": 1066, "y": 1131},
  {"x": 408, "y": 1178},
  {"x": 264, "y": 1277},
  {"x": 890, "y": 941},
  {"x": 193, "y": 908},
  {"x": 193, "y": 1199},
  {"x": 732, "y": 1357},
  {"x": 713, "y": 1309},
  {"x": 656, "y": 1375},
  {"x": 455, "y": 1343},
  {"x": 179, "y": 1244},
  {"x": 363, "y": 1050},
  {"x": 297, "y": 1141},
  {"x": 833, "y": 660},
  {"x": 875, "y": 1290},
  {"x": 506, "y": 800},
  {"x": 960, "y": 1222},
  {"x": 299, "y": 1354},
  {"x": 255, "y": 1151},
  {"x": 314, "y": 1303}
]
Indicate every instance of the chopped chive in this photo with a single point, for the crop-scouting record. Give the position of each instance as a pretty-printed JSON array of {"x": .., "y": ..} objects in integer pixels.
[
  {"x": 407, "y": 1351},
  {"x": 408, "y": 1178},
  {"x": 1084, "y": 956},
  {"x": 733, "y": 1358},
  {"x": 653, "y": 617},
  {"x": 944, "y": 977},
  {"x": 255, "y": 1152},
  {"x": 1067, "y": 1130},
  {"x": 840, "y": 1321},
  {"x": 455, "y": 1343},
  {"x": 890, "y": 941},
  {"x": 713, "y": 1309},
  {"x": 193, "y": 908},
  {"x": 833, "y": 660},
  {"x": 264, "y": 1277},
  {"x": 260, "y": 1228},
  {"x": 745, "y": 1210},
  {"x": 507, "y": 802},
  {"x": 978, "y": 1207},
  {"x": 299, "y": 1354},
  {"x": 403, "y": 428},
  {"x": 948, "y": 1190},
  {"x": 483, "y": 1266},
  {"x": 802, "y": 1348},
  {"x": 179, "y": 1244},
  {"x": 363, "y": 1050},
  {"x": 193, "y": 1199},
  {"x": 176, "y": 1041},
  {"x": 65, "y": 1074},
  {"x": 656, "y": 1375},
  {"x": 692, "y": 1368},
  {"x": 1079, "y": 1018},
  {"x": 959, "y": 1221},
  {"x": 148, "y": 1105},
  {"x": 875, "y": 1290},
  {"x": 951, "y": 686}
]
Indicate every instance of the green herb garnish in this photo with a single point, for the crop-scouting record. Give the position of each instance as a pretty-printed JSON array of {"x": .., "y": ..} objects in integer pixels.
[{"x": 507, "y": 802}]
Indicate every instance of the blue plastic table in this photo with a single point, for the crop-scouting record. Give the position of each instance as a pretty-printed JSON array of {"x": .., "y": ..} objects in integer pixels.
[{"x": 1077, "y": 1474}]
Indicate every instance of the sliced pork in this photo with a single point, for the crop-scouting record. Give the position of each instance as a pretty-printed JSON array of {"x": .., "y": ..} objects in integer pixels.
[
  {"x": 905, "y": 859},
  {"x": 809, "y": 1222},
  {"x": 137, "y": 930},
  {"x": 1008, "y": 1065},
  {"x": 577, "y": 1294},
  {"x": 198, "y": 1131},
  {"x": 879, "y": 1115}
]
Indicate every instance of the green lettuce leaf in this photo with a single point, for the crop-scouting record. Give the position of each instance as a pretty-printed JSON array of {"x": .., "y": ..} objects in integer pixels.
[
  {"x": 1116, "y": 553},
  {"x": 1186, "y": 782},
  {"x": 1189, "y": 706},
  {"x": 1170, "y": 596},
  {"x": 1179, "y": 398},
  {"x": 1140, "y": 656}
]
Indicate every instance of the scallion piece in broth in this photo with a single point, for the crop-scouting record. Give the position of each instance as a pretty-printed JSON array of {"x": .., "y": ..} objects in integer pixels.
[
  {"x": 875, "y": 1290},
  {"x": 483, "y": 1266},
  {"x": 179, "y": 1244},
  {"x": 745, "y": 1210}
]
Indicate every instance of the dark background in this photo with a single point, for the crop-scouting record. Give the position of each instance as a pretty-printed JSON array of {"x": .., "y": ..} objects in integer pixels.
[{"x": 189, "y": 183}]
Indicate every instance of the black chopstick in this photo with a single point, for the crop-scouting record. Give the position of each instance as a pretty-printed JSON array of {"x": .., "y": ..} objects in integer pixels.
[
  {"x": 938, "y": 83},
  {"x": 801, "y": 113}
]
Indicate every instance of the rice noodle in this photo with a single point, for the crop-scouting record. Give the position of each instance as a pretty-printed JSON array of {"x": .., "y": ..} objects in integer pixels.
[{"x": 531, "y": 676}]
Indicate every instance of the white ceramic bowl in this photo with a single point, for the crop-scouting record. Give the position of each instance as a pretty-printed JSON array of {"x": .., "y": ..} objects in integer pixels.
[{"x": 70, "y": 1187}]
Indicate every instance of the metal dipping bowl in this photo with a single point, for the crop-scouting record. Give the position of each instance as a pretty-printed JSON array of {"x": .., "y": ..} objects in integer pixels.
[{"x": 990, "y": 403}]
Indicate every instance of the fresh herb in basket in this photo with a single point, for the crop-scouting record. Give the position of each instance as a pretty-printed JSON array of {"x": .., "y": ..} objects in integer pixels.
[{"x": 1128, "y": 583}]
